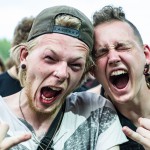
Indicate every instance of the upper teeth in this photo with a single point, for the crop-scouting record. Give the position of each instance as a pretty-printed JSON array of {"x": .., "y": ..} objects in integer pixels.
[
  {"x": 56, "y": 89},
  {"x": 118, "y": 72}
]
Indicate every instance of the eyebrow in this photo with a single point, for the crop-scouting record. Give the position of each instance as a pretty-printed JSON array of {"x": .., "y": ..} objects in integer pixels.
[
  {"x": 74, "y": 59},
  {"x": 124, "y": 42},
  {"x": 116, "y": 44}
]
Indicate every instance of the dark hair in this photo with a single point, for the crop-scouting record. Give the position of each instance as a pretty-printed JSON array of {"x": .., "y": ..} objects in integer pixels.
[
  {"x": 109, "y": 13},
  {"x": 2, "y": 65},
  {"x": 22, "y": 30},
  {"x": 20, "y": 35}
]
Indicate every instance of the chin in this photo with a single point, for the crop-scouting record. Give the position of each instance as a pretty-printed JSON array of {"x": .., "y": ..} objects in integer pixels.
[{"x": 121, "y": 100}]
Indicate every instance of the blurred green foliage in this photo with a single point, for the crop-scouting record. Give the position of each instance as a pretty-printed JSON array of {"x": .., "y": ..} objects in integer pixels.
[{"x": 4, "y": 49}]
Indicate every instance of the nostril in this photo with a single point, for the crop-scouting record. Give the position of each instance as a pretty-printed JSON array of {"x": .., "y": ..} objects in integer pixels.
[{"x": 114, "y": 62}]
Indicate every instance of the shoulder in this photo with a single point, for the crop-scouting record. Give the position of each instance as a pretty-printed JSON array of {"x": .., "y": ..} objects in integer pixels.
[
  {"x": 89, "y": 99},
  {"x": 3, "y": 75}
]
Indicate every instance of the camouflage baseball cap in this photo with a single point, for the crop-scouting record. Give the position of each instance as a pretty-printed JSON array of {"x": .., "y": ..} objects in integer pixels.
[{"x": 45, "y": 23}]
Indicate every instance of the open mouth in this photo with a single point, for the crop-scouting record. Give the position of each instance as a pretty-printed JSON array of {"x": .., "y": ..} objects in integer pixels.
[
  {"x": 119, "y": 79},
  {"x": 49, "y": 94}
]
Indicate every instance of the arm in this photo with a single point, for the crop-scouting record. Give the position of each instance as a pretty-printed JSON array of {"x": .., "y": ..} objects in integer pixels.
[
  {"x": 142, "y": 134},
  {"x": 6, "y": 143}
]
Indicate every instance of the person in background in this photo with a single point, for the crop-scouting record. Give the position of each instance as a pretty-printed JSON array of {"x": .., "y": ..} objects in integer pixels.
[
  {"x": 9, "y": 63},
  {"x": 122, "y": 67},
  {"x": 89, "y": 83},
  {"x": 53, "y": 62},
  {"x": 2, "y": 66},
  {"x": 9, "y": 83}
]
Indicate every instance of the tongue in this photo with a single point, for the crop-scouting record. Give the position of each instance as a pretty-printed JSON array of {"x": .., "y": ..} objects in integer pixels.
[
  {"x": 120, "y": 84},
  {"x": 48, "y": 93}
]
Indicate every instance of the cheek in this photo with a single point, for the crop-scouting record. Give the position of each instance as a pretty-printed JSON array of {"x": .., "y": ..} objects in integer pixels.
[
  {"x": 99, "y": 70},
  {"x": 76, "y": 78},
  {"x": 100, "y": 66},
  {"x": 36, "y": 74}
]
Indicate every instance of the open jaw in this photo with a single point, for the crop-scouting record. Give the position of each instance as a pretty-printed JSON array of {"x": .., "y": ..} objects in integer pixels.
[
  {"x": 119, "y": 79},
  {"x": 49, "y": 94}
]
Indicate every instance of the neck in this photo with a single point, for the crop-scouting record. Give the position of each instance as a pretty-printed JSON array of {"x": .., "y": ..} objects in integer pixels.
[
  {"x": 39, "y": 121},
  {"x": 135, "y": 108},
  {"x": 13, "y": 72}
]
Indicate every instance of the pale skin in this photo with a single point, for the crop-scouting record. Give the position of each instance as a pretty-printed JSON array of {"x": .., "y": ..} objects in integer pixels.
[
  {"x": 6, "y": 143},
  {"x": 117, "y": 51},
  {"x": 142, "y": 134},
  {"x": 53, "y": 53}
]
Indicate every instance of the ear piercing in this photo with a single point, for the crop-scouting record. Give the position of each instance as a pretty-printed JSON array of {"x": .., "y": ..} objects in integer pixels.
[{"x": 23, "y": 66}]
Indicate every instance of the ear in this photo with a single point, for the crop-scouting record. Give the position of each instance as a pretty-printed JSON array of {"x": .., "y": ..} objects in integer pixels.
[
  {"x": 23, "y": 53},
  {"x": 147, "y": 53}
]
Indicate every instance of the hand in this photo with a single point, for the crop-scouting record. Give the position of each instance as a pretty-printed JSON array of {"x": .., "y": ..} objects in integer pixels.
[
  {"x": 142, "y": 134},
  {"x": 6, "y": 143}
]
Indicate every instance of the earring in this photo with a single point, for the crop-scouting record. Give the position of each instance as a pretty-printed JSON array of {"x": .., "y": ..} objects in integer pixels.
[
  {"x": 146, "y": 70},
  {"x": 147, "y": 75},
  {"x": 23, "y": 66}
]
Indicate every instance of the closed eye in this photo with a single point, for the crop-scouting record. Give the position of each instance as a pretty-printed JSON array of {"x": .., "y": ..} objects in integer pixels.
[
  {"x": 49, "y": 59},
  {"x": 76, "y": 67},
  {"x": 123, "y": 46},
  {"x": 101, "y": 52}
]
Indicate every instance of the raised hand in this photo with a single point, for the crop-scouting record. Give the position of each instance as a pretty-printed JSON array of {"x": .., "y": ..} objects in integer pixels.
[
  {"x": 142, "y": 134},
  {"x": 8, "y": 142}
]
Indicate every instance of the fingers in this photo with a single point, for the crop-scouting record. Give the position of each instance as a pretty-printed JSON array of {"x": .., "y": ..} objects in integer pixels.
[
  {"x": 12, "y": 141},
  {"x": 144, "y": 132},
  {"x": 3, "y": 130},
  {"x": 137, "y": 137},
  {"x": 7, "y": 143},
  {"x": 144, "y": 122},
  {"x": 131, "y": 134}
]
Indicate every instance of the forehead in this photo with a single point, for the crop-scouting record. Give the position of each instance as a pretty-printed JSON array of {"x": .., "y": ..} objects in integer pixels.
[
  {"x": 113, "y": 31},
  {"x": 62, "y": 44}
]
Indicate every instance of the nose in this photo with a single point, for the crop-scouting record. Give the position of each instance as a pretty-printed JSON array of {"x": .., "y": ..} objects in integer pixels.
[
  {"x": 113, "y": 57},
  {"x": 61, "y": 71}
]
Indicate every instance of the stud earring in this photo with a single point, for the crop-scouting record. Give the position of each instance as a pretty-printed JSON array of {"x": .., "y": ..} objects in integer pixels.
[
  {"x": 23, "y": 66},
  {"x": 146, "y": 70},
  {"x": 147, "y": 75}
]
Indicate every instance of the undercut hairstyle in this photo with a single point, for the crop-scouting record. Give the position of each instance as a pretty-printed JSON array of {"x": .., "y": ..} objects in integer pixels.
[{"x": 110, "y": 13}]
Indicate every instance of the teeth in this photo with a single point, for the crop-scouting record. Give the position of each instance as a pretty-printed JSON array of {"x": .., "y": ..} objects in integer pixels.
[
  {"x": 56, "y": 89},
  {"x": 45, "y": 98},
  {"x": 118, "y": 72}
]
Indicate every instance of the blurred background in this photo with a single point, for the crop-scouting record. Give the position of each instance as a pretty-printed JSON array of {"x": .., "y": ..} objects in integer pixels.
[{"x": 12, "y": 11}]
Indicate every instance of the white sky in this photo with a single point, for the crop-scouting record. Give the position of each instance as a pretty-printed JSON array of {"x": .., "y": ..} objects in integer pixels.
[{"x": 12, "y": 11}]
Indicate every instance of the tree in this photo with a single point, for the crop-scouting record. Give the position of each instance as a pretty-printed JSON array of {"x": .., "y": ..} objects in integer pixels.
[{"x": 4, "y": 48}]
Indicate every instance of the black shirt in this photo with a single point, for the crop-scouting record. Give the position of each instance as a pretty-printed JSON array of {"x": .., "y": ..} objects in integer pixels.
[
  {"x": 130, "y": 145},
  {"x": 8, "y": 85}
]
